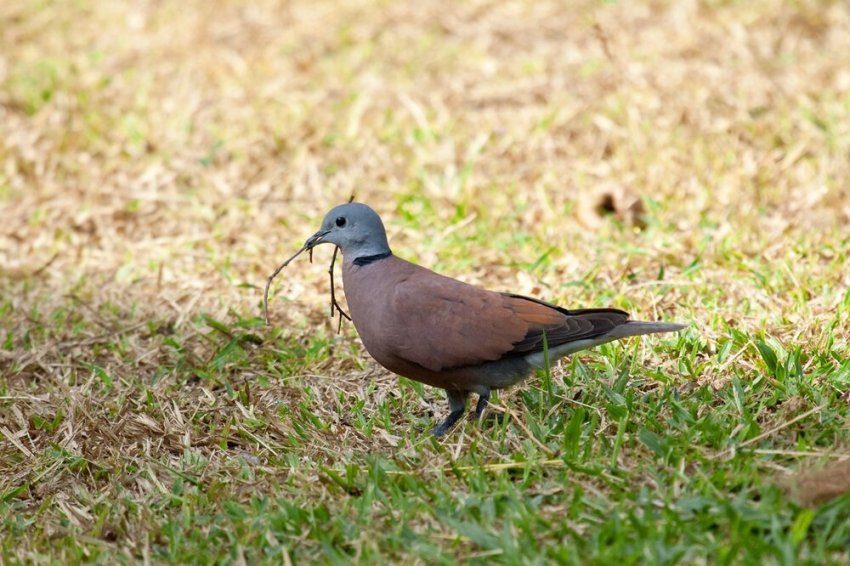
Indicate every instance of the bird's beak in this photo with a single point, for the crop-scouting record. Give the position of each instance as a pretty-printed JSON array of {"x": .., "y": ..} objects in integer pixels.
[{"x": 315, "y": 239}]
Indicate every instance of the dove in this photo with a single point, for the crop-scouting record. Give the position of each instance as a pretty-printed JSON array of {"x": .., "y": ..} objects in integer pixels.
[{"x": 449, "y": 334}]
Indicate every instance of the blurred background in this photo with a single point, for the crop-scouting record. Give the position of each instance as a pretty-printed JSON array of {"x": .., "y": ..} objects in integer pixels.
[
  {"x": 683, "y": 160},
  {"x": 172, "y": 152}
]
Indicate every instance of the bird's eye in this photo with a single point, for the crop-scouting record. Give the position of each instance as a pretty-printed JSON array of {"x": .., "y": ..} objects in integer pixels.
[{"x": 340, "y": 221}]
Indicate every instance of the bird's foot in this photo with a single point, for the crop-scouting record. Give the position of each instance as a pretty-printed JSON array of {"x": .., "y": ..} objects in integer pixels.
[{"x": 450, "y": 421}]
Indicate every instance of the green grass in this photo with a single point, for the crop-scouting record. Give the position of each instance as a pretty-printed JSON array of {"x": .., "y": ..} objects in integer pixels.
[
  {"x": 632, "y": 455},
  {"x": 156, "y": 163}
]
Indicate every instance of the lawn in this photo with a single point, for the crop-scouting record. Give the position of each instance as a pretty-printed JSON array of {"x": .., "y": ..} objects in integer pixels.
[{"x": 685, "y": 161}]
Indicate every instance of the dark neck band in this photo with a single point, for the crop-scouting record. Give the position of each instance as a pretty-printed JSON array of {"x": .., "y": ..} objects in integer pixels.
[{"x": 367, "y": 259}]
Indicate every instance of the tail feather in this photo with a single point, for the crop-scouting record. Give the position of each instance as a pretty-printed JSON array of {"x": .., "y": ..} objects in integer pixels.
[
  {"x": 639, "y": 327},
  {"x": 630, "y": 328}
]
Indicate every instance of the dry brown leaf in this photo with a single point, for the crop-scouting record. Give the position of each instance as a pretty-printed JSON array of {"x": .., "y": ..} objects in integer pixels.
[
  {"x": 624, "y": 205},
  {"x": 814, "y": 487}
]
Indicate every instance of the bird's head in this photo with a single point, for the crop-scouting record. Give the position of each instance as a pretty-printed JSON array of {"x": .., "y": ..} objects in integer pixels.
[{"x": 355, "y": 228}]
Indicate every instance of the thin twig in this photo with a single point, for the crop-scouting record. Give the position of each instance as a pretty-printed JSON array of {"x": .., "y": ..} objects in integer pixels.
[
  {"x": 309, "y": 247},
  {"x": 779, "y": 427},
  {"x": 520, "y": 424},
  {"x": 46, "y": 265},
  {"x": 499, "y": 466},
  {"x": 271, "y": 278},
  {"x": 334, "y": 303},
  {"x": 731, "y": 451},
  {"x": 802, "y": 454}
]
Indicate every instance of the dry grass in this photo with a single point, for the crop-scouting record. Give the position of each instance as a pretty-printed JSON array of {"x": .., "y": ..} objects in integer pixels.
[{"x": 157, "y": 160}]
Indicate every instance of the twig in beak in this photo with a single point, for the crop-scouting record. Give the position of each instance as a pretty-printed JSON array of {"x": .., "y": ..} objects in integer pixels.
[
  {"x": 271, "y": 278},
  {"x": 308, "y": 246}
]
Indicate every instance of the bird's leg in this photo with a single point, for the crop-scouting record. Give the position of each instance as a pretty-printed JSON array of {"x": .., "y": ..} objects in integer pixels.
[
  {"x": 457, "y": 405},
  {"x": 483, "y": 399}
]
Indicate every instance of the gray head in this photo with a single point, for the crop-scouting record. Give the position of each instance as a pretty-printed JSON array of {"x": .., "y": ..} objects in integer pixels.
[{"x": 355, "y": 228}]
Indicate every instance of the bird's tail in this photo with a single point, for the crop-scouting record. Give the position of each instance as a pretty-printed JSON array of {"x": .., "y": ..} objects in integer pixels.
[
  {"x": 638, "y": 327},
  {"x": 624, "y": 330}
]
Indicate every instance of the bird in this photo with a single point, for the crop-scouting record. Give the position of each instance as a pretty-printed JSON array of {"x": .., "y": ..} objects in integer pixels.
[{"x": 450, "y": 334}]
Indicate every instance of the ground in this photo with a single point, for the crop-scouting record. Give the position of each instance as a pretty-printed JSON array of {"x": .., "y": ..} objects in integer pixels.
[{"x": 158, "y": 159}]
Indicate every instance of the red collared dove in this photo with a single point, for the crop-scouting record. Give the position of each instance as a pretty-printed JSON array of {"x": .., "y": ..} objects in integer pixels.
[{"x": 449, "y": 334}]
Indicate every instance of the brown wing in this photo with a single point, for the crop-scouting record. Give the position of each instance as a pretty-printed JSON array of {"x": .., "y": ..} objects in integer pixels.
[
  {"x": 441, "y": 323},
  {"x": 559, "y": 324}
]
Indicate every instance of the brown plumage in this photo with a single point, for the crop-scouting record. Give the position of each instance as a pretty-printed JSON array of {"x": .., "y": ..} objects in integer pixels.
[
  {"x": 466, "y": 326},
  {"x": 449, "y": 334}
]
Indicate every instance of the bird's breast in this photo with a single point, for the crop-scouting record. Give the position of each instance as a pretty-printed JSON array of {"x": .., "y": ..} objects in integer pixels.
[{"x": 367, "y": 293}]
